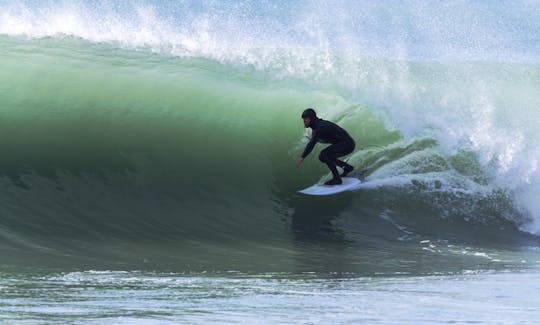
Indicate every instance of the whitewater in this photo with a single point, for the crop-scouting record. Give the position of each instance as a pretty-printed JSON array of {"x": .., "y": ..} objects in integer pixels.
[{"x": 147, "y": 150}]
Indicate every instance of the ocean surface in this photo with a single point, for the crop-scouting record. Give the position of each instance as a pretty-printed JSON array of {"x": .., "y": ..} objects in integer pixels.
[{"x": 147, "y": 155}]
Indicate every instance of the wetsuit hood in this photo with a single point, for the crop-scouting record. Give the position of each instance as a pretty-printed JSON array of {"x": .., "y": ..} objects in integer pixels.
[{"x": 310, "y": 113}]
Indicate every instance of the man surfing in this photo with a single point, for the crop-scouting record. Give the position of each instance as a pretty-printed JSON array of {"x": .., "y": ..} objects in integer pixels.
[{"x": 327, "y": 132}]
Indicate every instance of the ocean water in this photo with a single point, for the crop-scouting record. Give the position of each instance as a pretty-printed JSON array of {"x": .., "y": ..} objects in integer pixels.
[{"x": 147, "y": 162}]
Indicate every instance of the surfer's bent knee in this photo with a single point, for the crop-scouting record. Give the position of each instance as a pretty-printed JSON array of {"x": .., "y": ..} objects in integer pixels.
[{"x": 323, "y": 156}]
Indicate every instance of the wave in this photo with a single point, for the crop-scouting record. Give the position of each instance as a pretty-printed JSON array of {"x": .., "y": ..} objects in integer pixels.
[{"x": 188, "y": 131}]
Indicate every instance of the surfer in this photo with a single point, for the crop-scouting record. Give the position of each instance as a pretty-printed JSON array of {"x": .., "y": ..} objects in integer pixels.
[{"x": 327, "y": 132}]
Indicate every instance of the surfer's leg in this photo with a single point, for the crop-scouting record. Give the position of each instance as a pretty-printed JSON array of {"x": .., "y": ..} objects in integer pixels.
[
  {"x": 342, "y": 164},
  {"x": 346, "y": 170},
  {"x": 330, "y": 156},
  {"x": 330, "y": 162},
  {"x": 334, "y": 151},
  {"x": 327, "y": 156}
]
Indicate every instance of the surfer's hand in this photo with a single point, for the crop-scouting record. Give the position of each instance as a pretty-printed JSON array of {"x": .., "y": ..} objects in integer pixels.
[{"x": 299, "y": 162}]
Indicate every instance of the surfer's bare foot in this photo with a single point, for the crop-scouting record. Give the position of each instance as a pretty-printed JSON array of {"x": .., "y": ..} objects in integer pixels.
[
  {"x": 334, "y": 181},
  {"x": 346, "y": 170}
]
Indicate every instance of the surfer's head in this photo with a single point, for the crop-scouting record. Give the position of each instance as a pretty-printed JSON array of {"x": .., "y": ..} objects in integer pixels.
[{"x": 308, "y": 116}]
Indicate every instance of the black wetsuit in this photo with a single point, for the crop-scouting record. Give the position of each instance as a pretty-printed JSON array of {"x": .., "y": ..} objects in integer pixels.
[{"x": 341, "y": 143}]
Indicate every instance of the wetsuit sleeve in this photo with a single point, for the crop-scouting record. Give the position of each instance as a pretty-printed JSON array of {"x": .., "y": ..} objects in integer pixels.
[{"x": 311, "y": 144}]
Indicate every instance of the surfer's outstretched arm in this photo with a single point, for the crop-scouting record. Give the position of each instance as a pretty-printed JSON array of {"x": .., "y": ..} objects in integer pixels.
[
  {"x": 309, "y": 147},
  {"x": 311, "y": 144}
]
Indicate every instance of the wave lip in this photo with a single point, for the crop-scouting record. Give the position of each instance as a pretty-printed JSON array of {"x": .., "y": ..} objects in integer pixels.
[{"x": 462, "y": 31}]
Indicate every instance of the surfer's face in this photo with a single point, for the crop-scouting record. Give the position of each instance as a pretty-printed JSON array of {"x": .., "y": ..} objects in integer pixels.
[{"x": 307, "y": 121}]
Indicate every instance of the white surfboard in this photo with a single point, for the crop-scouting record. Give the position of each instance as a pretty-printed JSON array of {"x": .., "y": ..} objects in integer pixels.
[{"x": 321, "y": 189}]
